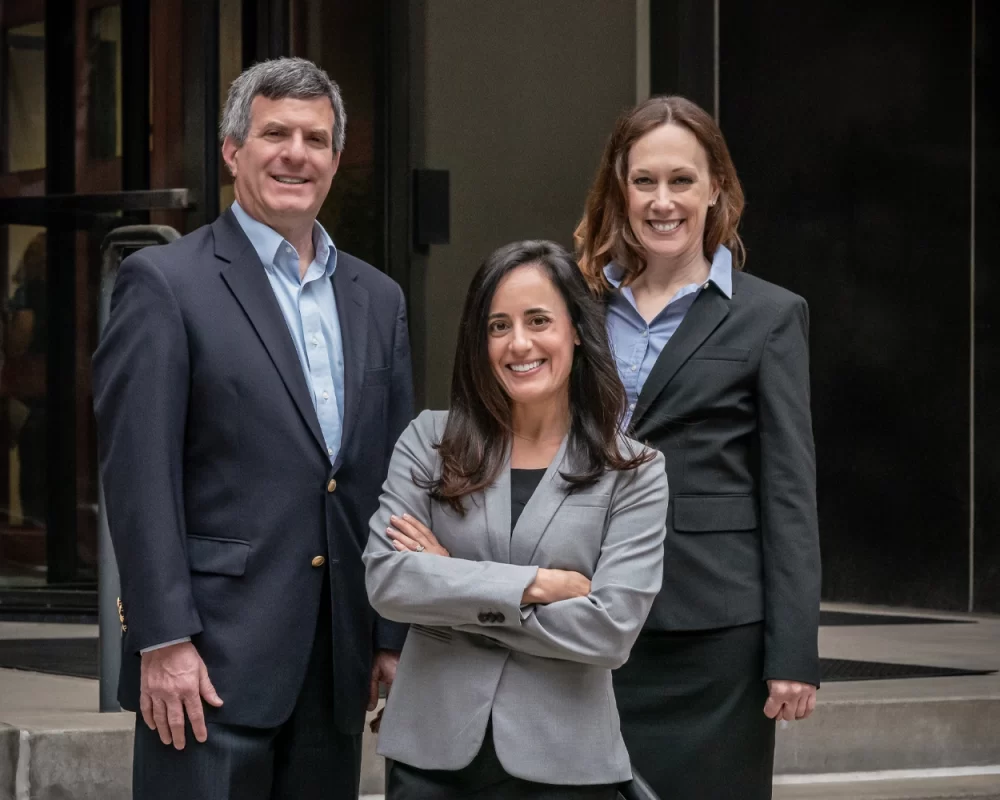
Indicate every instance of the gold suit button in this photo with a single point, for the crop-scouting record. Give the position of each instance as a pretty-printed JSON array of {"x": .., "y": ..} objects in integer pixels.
[
  {"x": 331, "y": 486},
  {"x": 318, "y": 561}
]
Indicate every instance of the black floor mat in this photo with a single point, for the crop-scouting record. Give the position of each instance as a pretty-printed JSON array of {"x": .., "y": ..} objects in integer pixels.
[
  {"x": 79, "y": 657},
  {"x": 861, "y": 618},
  {"x": 76, "y": 657},
  {"x": 834, "y": 670}
]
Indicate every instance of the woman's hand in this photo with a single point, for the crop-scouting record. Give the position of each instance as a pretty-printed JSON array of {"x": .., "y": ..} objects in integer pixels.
[
  {"x": 553, "y": 585},
  {"x": 410, "y": 534}
]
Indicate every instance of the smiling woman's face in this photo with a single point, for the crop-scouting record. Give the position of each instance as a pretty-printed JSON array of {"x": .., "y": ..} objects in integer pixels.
[
  {"x": 531, "y": 338},
  {"x": 670, "y": 188}
]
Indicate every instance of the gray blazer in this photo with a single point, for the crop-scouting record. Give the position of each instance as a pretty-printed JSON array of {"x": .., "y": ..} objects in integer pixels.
[{"x": 542, "y": 672}]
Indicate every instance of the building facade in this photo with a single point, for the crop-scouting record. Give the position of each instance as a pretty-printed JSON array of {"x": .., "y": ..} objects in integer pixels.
[{"x": 864, "y": 134}]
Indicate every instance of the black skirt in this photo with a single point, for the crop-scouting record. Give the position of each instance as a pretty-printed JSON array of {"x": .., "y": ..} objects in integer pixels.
[
  {"x": 483, "y": 778},
  {"x": 692, "y": 713}
]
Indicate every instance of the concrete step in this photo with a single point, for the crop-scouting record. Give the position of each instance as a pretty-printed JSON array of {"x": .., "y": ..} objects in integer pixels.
[
  {"x": 932, "y": 785},
  {"x": 957, "y": 726},
  {"x": 58, "y": 755},
  {"x": 88, "y": 756}
]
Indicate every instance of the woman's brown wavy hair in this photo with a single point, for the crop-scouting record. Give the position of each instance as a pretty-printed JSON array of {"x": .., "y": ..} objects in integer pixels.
[
  {"x": 604, "y": 234},
  {"x": 478, "y": 434}
]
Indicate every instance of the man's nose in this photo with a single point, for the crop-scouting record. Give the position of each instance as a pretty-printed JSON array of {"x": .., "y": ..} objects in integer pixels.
[{"x": 295, "y": 148}]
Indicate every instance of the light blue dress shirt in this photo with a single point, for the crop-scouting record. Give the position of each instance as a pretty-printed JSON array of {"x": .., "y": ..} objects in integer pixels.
[
  {"x": 637, "y": 344},
  {"x": 310, "y": 311}
]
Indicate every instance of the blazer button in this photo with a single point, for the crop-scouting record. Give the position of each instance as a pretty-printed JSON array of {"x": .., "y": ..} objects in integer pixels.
[
  {"x": 331, "y": 487},
  {"x": 484, "y": 617},
  {"x": 318, "y": 561}
]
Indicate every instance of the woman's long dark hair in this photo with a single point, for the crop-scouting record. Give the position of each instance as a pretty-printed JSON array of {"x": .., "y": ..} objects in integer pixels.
[{"x": 478, "y": 435}]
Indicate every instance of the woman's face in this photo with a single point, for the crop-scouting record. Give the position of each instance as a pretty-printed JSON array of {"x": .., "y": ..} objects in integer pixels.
[
  {"x": 531, "y": 338},
  {"x": 670, "y": 188}
]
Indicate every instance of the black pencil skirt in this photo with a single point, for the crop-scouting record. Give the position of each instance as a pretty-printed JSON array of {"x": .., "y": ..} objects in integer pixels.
[{"x": 692, "y": 713}]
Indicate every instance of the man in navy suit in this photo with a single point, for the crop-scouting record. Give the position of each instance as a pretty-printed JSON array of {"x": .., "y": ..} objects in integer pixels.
[{"x": 249, "y": 388}]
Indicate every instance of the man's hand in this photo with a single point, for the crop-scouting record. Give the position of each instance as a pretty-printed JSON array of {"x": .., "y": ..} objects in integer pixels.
[
  {"x": 383, "y": 671},
  {"x": 789, "y": 700},
  {"x": 175, "y": 680}
]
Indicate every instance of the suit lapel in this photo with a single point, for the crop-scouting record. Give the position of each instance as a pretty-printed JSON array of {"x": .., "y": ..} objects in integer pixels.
[
  {"x": 497, "y": 506},
  {"x": 247, "y": 280},
  {"x": 352, "y": 310},
  {"x": 704, "y": 316},
  {"x": 539, "y": 511}
]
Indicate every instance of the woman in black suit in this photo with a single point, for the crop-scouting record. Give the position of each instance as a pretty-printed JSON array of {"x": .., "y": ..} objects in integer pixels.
[{"x": 715, "y": 366}]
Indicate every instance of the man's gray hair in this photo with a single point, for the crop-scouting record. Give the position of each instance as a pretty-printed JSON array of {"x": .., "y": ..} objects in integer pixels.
[{"x": 276, "y": 79}]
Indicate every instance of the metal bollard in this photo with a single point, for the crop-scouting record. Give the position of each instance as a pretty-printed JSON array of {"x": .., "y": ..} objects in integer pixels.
[{"x": 117, "y": 245}]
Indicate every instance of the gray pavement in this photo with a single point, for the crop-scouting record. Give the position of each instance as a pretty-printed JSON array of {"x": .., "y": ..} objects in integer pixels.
[{"x": 876, "y": 728}]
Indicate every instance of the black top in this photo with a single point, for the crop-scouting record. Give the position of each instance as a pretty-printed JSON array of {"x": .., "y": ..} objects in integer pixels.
[{"x": 523, "y": 483}]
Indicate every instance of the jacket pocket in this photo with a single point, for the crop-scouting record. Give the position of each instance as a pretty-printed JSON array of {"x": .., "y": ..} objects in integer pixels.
[
  {"x": 218, "y": 556},
  {"x": 432, "y": 632},
  {"x": 587, "y": 500},
  {"x": 378, "y": 376},
  {"x": 714, "y": 513},
  {"x": 716, "y": 353}
]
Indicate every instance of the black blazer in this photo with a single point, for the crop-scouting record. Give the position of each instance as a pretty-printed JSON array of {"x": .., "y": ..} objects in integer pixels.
[
  {"x": 727, "y": 403},
  {"x": 219, "y": 490}
]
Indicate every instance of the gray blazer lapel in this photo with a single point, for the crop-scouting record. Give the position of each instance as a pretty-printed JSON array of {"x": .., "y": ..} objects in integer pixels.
[
  {"x": 247, "y": 280},
  {"x": 704, "y": 316},
  {"x": 497, "y": 510},
  {"x": 539, "y": 511},
  {"x": 352, "y": 310}
]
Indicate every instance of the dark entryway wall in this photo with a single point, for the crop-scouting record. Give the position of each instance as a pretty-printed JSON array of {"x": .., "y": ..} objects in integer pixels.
[
  {"x": 516, "y": 99},
  {"x": 851, "y": 125},
  {"x": 987, "y": 308}
]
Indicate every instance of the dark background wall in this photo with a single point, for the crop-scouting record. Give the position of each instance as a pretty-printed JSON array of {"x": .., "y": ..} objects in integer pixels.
[
  {"x": 850, "y": 124},
  {"x": 987, "y": 542},
  {"x": 516, "y": 99}
]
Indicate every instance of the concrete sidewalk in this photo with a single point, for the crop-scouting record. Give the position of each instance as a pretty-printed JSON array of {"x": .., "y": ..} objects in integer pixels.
[{"x": 55, "y": 746}]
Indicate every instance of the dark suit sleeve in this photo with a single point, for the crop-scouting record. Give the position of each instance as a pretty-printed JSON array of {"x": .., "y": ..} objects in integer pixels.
[
  {"x": 140, "y": 400},
  {"x": 789, "y": 525},
  {"x": 391, "y": 635}
]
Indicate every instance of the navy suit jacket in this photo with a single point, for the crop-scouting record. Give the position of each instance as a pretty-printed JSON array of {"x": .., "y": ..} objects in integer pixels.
[{"x": 219, "y": 490}]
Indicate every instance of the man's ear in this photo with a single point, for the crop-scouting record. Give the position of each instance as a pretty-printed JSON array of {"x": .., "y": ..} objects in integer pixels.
[{"x": 229, "y": 151}]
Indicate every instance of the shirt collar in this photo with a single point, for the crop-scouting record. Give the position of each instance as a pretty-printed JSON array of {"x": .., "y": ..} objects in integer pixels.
[
  {"x": 720, "y": 273},
  {"x": 267, "y": 241}
]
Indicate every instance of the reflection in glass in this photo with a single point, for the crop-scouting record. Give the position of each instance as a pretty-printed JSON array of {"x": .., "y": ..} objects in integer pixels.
[
  {"x": 230, "y": 67},
  {"x": 104, "y": 83},
  {"x": 25, "y": 133},
  {"x": 342, "y": 37},
  {"x": 22, "y": 385}
]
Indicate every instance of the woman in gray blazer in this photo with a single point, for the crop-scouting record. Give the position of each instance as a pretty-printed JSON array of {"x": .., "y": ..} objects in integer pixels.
[
  {"x": 715, "y": 364},
  {"x": 521, "y": 536}
]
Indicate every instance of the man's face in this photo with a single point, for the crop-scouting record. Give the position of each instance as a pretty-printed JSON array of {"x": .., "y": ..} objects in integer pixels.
[{"x": 283, "y": 171}]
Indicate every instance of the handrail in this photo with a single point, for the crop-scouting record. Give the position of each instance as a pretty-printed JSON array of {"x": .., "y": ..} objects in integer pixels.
[{"x": 45, "y": 209}]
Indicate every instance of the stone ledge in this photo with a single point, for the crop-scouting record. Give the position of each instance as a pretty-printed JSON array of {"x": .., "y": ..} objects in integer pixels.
[
  {"x": 88, "y": 756},
  {"x": 84, "y": 756},
  {"x": 865, "y": 736},
  {"x": 55, "y": 756},
  {"x": 969, "y": 787},
  {"x": 8, "y": 761}
]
